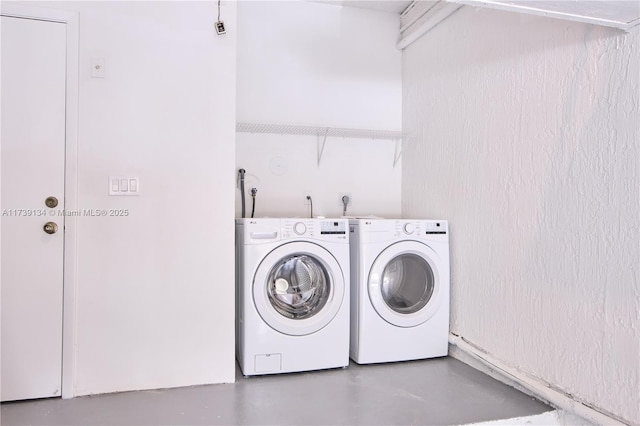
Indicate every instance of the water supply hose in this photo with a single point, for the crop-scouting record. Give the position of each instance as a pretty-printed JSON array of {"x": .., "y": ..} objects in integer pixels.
[
  {"x": 254, "y": 191},
  {"x": 311, "y": 203},
  {"x": 345, "y": 202}
]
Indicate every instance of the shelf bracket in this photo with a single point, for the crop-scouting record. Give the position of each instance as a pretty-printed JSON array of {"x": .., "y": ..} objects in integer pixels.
[
  {"x": 398, "y": 151},
  {"x": 322, "y": 140}
]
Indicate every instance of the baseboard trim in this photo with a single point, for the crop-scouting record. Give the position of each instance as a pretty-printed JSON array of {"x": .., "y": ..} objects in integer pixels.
[{"x": 470, "y": 354}]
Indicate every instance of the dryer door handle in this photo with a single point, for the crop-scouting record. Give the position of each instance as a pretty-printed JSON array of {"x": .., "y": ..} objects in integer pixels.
[{"x": 263, "y": 235}]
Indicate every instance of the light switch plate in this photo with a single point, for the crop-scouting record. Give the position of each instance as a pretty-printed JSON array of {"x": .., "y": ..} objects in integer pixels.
[{"x": 124, "y": 185}]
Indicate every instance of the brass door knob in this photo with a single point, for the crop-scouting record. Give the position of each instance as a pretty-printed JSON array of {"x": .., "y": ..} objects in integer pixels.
[
  {"x": 50, "y": 228},
  {"x": 51, "y": 202}
]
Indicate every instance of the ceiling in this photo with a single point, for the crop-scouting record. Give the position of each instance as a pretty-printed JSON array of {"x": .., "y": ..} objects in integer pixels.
[{"x": 621, "y": 14}]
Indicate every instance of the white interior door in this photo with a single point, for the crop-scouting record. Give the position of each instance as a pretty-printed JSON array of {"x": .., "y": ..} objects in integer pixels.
[{"x": 32, "y": 154}]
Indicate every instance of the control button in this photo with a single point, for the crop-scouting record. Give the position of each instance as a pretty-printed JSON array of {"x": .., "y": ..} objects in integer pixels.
[
  {"x": 299, "y": 228},
  {"x": 408, "y": 228}
]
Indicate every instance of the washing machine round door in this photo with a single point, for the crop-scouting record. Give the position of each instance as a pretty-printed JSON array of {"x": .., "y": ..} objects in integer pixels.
[
  {"x": 405, "y": 284},
  {"x": 298, "y": 288}
]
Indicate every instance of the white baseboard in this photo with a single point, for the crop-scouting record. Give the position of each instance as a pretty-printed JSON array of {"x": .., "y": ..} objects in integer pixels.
[
  {"x": 550, "y": 418},
  {"x": 575, "y": 412}
]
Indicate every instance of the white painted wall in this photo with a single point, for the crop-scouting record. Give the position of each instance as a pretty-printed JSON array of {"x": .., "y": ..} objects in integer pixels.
[
  {"x": 155, "y": 290},
  {"x": 317, "y": 64},
  {"x": 526, "y": 138}
]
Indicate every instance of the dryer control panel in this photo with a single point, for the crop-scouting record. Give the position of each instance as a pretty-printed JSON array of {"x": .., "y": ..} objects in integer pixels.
[
  {"x": 435, "y": 227},
  {"x": 420, "y": 227}
]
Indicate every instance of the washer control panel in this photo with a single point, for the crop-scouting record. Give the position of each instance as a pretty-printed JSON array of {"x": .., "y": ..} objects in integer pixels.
[
  {"x": 331, "y": 227},
  {"x": 323, "y": 229},
  {"x": 298, "y": 228}
]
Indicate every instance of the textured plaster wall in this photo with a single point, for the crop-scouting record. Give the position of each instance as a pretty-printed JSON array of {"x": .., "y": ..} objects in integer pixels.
[{"x": 526, "y": 136}]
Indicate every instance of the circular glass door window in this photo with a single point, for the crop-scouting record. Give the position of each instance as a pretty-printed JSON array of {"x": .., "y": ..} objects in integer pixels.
[
  {"x": 298, "y": 287},
  {"x": 407, "y": 283}
]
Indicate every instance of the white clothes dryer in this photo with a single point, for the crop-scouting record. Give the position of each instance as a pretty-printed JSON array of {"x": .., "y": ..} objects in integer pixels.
[
  {"x": 292, "y": 295},
  {"x": 399, "y": 289}
]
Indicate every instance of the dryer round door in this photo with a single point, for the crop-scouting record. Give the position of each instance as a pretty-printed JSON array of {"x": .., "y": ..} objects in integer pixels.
[
  {"x": 405, "y": 284},
  {"x": 298, "y": 288}
]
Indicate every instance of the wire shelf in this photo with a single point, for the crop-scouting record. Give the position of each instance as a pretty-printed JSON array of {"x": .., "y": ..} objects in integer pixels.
[
  {"x": 289, "y": 129},
  {"x": 322, "y": 133}
]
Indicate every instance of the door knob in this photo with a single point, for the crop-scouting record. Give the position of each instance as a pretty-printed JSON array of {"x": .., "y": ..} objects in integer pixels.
[
  {"x": 51, "y": 202},
  {"x": 50, "y": 228}
]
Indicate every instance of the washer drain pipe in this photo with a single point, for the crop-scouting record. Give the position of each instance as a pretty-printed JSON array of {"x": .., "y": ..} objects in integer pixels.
[{"x": 241, "y": 173}]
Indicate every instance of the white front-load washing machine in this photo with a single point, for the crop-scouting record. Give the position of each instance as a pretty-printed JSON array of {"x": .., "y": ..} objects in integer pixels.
[
  {"x": 292, "y": 294},
  {"x": 399, "y": 289}
]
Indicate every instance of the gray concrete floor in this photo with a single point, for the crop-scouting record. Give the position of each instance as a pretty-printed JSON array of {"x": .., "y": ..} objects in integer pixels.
[{"x": 440, "y": 391}]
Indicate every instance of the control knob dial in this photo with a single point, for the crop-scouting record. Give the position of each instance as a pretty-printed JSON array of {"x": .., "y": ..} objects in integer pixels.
[
  {"x": 408, "y": 228},
  {"x": 299, "y": 228}
]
